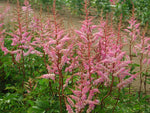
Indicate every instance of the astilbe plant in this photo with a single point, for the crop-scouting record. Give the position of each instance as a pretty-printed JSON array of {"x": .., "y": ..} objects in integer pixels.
[
  {"x": 133, "y": 33},
  {"x": 21, "y": 38},
  {"x": 109, "y": 59},
  {"x": 142, "y": 50},
  {"x": 98, "y": 53},
  {"x": 56, "y": 46},
  {"x": 2, "y": 30},
  {"x": 84, "y": 91},
  {"x": 30, "y": 85}
]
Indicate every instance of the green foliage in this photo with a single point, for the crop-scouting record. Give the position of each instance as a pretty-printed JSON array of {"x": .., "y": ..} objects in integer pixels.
[
  {"x": 102, "y": 5},
  {"x": 127, "y": 103},
  {"x": 11, "y": 103},
  {"x": 133, "y": 66},
  {"x": 44, "y": 106},
  {"x": 8, "y": 72},
  {"x": 142, "y": 8},
  {"x": 76, "y": 6},
  {"x": 124, "y": 8},
  {"x": 49, "y": 3}
]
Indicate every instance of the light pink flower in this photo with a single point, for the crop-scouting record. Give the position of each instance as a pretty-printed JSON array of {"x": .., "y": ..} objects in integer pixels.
[
  {"x": 70, "y": 101},
  {"x": 47, "y": 76},
  {"x": 69, "y": 109}
]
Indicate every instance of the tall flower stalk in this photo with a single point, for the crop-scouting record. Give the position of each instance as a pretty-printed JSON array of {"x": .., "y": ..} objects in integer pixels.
[
  {"x": 143, "y": 48},
  {"x": 83, "y": 94},
  {"x": 109, "y": 62},
  {"x": 56, "y": 45},
  {"x": 21, "y": 37},
  {"x": 133, "y": 33}
]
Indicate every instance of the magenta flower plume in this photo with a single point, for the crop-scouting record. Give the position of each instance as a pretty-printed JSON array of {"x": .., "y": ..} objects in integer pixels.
[
  {"x": 80, "y": 97},
  {"x": 21, "y": 37},
  {"x": 2, "y": 31},
  {"x": 86, "y": 42}
]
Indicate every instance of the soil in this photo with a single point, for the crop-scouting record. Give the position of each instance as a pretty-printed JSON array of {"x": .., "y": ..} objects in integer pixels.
[{"x": 72, "y": 21}]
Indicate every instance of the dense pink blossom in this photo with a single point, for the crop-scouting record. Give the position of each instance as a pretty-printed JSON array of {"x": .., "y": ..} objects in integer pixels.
[
  {"x": 88, "y": 57},
  {"x": 69, "y": 109}
]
